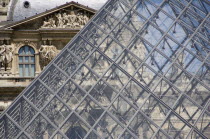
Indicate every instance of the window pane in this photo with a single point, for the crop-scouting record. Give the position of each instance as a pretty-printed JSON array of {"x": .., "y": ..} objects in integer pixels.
[
  {"x": 32, "y": 59},
  {"x": 26, "y": 59},
  {"x": 27, "y": 70},
  {"x": 27, "y": 49},
  {"x": 21, "y": 51},
  {"x": 32, "y": 51},
  {"x": 32, "y": 70},
  {"x": 20, "y": 59},
  {"x": 21, "y": 70}
]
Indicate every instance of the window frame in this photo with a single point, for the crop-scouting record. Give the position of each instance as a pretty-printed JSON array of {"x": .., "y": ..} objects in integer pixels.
[{"x": 30, "y": 53}]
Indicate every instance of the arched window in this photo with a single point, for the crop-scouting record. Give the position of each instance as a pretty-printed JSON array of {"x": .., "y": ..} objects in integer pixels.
[{"x": 26, "y": 61}]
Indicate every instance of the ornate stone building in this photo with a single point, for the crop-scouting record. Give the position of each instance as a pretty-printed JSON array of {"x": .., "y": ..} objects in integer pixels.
[{"x": 28, "y": 45}]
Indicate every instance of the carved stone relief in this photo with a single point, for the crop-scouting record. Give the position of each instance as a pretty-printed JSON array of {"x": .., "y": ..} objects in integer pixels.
[
  {"x": 49, "y": 24},
  {"x": 18, "y": 45},
  {"x": 47, "y": 53},
  {"x": 66, "y": 20},
  {"x": 6, "y": 52}
]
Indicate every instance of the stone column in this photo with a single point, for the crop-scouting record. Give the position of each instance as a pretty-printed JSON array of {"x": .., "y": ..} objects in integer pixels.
[
  {"x": 37, "y": 65},
  {"x": 15, "y": 65}
]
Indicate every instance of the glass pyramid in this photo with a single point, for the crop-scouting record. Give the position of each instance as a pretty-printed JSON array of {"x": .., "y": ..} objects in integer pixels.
[{"x": 139, "y": 69}]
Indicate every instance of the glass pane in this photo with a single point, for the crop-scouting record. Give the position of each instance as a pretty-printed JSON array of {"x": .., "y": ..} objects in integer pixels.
[
  {"x": 32, "y": 70},
  {"x": 26, "y": 70},
  {"x": 26, "y": 49},
  {"x": 40, "y": 128},
  {"x": 26, "y": 59},
  {"x": 21, "y": 70},
  {"x": 20, "y": 59},
  {"x": 32, "y": 59},
  {"x": 31, "y": 51},
  {"x": 56, "y": 111},
  {"x": 21, "y": 51},
  {"x": 74, "y": 128}
]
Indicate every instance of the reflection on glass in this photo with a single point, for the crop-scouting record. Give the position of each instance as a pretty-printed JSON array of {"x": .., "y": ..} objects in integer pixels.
[
  {"x": 20, "y": 59},
  {"x": 21, "y": 70}
]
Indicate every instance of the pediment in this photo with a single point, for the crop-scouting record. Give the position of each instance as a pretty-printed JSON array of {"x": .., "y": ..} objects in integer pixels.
[{"x": 69, "y": 16}]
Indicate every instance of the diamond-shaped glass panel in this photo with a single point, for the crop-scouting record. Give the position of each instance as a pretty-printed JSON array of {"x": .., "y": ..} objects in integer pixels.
[
  {"x": 166, "y": 93},
  {"x": 23, "y": 137},
  {"x": 39, "y": 95},
  {"x": 90, "y": 111},
  {"x": 54, "y": 78},
  {"x": 71, "y": 94},
  {"x": 8, "y": 130},
  {"x": 103, "y": 93},
  {"x": 142, "y": 127},
  {"x": 175, "y": 127},
  {"x": 22, "y": 112},
  {"x": 85, "y": 78},
  {"x": 122, "y": 110},
  {"x": 40, "y": 128},
  {"x": 98, "y": 63},
  {"x": 154, "y": 110},
  {"x": 56, "y": 111},
  {"x": 116, "y": 77},
  {"x": 107, "y": 127},
  {"x": 74, "y": 128},
  {"x": 68, "y": 62},
  {"x": 135, "y": 94}
]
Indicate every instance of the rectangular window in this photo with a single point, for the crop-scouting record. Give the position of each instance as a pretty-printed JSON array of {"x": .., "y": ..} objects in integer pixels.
[{"x": 26, "y": 62}]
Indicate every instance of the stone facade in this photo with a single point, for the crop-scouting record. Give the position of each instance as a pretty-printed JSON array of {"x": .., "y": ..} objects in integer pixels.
[{"x": 43, "y": 36}]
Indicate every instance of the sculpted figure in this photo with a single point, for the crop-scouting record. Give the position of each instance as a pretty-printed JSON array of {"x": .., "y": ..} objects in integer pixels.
[
  {"x": 65, "y": 19},
  {"x": 69, "y": 23},
  {"x": 6, "y": 52},
  {"x": 71, "y": 20},
  {"x": 72, "y": 17},
  {"x": 49, "y": 24},
  {"x": 47, "y": 53},
  {"x": 60, "y": 20},
  {"x": 80, "y": 19},
  {"x": 86, "y": 19},
  {"x": 76, "y": 24}
]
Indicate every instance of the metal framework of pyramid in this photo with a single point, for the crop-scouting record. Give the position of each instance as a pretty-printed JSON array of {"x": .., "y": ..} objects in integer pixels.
[{"x": 139, "y": 69}]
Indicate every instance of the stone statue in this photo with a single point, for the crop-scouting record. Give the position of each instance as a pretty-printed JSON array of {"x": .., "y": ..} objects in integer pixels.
[
  {"x": 47, "y": 53},
  {"x": 65, "y": 20},
  {"x": 80, "y": 19},
  {"x": 71, "y": 20},
  {"x": 49, "y": 24},
  {"x": 60, "y": 21},
  {"x": 6, "y": 52},
  {"x": 72, "y": 17},
  {"x": 86, "y": 19}
]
